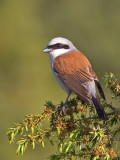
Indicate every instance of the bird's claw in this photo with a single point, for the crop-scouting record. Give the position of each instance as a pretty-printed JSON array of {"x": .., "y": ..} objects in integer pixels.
[{"x": 62, "y": 110}]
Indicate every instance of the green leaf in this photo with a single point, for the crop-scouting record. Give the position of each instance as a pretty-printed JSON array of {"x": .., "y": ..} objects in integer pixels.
[
  {"x": 61, "y": 147},
  {"x": 22, "y": 146},
  {"x": 12, "y": 135},
  {"x": 107, "y": 157},
  {"x": 10, "y": 138},
  {"x": 22, "y": 149},
  {"x": 26, "y": 127},
  {"x": 96, "y": 157},
  {"x": 33, "y": 144},
  {"x": 58, "y": 130},
  {"x": 20, "y": 130},
  {"x": 32, "y": 129},
  {"x": 18, "y": 150},
  {"x": 72, "y": 134},
  {"x": 69, "y": 146},
  {"x": 43, "y": 145}
]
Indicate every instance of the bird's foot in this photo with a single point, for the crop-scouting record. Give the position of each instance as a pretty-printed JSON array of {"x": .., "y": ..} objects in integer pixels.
[{"x": 62, "y": 110}]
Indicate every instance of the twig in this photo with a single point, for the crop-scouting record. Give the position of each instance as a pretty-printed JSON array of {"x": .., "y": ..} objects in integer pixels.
[{"x": 113, "y": 108}]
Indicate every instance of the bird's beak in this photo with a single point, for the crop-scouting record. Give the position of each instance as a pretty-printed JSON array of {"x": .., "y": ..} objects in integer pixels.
[{"x": 47, "y": 50}]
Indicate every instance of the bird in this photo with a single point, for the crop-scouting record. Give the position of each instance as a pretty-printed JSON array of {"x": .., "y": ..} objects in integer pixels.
[{"x": 74, "y": 73}]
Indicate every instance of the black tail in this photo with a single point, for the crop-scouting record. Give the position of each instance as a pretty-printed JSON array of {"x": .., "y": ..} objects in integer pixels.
[
  {"x": 100, "y": 89},
  {"x": 100, "y": 110}
]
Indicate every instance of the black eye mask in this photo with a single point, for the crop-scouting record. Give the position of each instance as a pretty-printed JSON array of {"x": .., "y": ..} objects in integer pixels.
[{"x": 59, "y": 46}]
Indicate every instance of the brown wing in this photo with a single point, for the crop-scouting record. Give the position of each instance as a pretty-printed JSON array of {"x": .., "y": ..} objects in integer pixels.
[
  {"x": 74, "y": 70},
  {"x": 78, "y": 84}
]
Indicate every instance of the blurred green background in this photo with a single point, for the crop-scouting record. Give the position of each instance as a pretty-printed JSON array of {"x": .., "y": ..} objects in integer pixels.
[{"x": 26, "y": 81}]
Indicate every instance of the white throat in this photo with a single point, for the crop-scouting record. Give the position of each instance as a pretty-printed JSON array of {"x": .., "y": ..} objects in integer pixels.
[{"x": 57, "y": 52}]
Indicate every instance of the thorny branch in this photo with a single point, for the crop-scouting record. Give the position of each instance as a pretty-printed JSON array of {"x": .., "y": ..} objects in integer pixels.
[{"x": 78, "y": 134}]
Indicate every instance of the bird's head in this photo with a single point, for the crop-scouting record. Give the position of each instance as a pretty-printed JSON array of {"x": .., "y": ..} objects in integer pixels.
[{"x": 58, "y": 46}]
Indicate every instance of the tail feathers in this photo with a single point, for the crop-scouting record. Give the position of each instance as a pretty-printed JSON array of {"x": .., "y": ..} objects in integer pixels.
[
  {"x": 100, "y": 89},
  {"x": 99, "y": 108}
]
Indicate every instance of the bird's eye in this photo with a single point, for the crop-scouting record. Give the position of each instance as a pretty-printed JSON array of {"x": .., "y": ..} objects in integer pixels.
[{"x": 58, "y": 45}]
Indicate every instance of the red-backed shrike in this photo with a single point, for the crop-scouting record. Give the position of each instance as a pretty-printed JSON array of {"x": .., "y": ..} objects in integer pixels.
[{"x": 74, "y": 73}]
